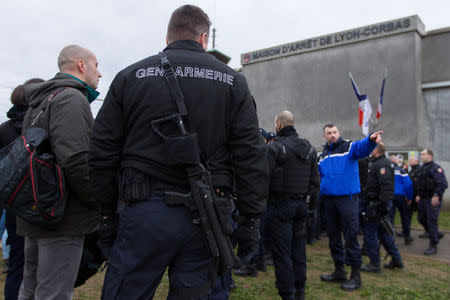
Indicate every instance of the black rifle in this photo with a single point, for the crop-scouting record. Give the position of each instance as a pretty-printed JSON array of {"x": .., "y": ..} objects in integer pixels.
[{"x": 213, "y": 213}]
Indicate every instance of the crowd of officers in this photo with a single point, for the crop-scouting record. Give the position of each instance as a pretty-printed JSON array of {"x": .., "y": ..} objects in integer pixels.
[{"x": 123, "y": 167}]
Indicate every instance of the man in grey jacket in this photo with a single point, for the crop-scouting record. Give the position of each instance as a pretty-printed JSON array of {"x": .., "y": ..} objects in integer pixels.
[{"x": 61, "y": 106}]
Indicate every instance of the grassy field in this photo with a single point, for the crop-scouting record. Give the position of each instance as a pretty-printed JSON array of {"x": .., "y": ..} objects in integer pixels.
[{"x": 423, "y": 278}]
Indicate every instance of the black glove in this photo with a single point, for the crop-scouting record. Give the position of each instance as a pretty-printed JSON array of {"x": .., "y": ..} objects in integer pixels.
[
  {"x": 247, "y": 238},
  {"x": 107, "y": 231}
]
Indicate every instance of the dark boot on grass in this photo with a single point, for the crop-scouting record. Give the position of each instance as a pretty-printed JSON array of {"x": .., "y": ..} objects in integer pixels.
[
  {"x": 248, "y": 270},
  {"x": 373, "y": 268},
  {"x": 432, "y": 249},
  {"x": 354, "y": 282},
  {"x": 394, "y": 263},
  {"x": 424, "y": 235},
  {"x": 408, "y": 240},
  {"x": 338, "y": 275}
]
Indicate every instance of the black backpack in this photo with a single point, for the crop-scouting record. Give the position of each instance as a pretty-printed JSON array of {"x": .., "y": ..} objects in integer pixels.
[{"x": 31, "y": 183}]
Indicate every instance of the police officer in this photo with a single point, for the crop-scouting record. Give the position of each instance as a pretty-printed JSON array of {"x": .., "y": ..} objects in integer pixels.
[
  {"x": 339, "y": 187},
  {"x": 403, "y": 195},
  {"x": 431, "y": 186},
  {"x": 151, "y": 233},
  {"x": 378, "y": 196},
  {"x": 294, "y": 187},
  {"x": 413, "y": 173}
]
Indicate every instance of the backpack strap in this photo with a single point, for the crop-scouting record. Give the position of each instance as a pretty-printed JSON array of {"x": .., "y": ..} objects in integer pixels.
[{"x": 52, "y": 95}]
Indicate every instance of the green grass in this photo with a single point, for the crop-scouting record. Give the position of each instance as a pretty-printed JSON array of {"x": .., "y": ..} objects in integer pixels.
[
  {"x": 422, "y": 278},
  {"x": 444, "y": 220}
]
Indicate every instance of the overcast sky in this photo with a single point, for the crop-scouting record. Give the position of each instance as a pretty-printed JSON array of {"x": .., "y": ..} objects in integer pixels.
[{"x": 122, "y": 32}]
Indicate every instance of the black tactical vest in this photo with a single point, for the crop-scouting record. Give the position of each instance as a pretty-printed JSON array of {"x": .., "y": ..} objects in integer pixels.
[{"x": 292, "y": 174}]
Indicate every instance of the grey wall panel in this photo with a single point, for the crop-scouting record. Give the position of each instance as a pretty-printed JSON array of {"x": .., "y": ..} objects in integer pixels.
[
  {"x": 316, "y": 87},
  {"x": 436, "y": 57}
]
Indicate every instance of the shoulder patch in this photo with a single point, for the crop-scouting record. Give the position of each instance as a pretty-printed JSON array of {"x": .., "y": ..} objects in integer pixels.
[
  {"x": 383, "y": 171},
  {"x": 440, "y": 170}
]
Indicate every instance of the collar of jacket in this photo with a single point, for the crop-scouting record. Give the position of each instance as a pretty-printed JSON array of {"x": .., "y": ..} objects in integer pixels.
[
  {"x": 338, "y": 142},
  {"x": 91, "y": 94},
  {"x": 186, "y": 45},
  {"x": 428, "y": 164},
  {"x": 377, "y": 158},
  {"x": 287, "y": 131}
]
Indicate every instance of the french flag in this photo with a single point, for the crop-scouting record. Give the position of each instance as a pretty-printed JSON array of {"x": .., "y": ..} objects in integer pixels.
[
  {"x": 365, "y": 109},
  {"x": 380, "y": 103}
]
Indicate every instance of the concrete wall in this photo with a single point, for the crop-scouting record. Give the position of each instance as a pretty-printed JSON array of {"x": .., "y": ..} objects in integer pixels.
[
  {"x": 316, "y": 87},
  {"x": 436, "y": 56}
]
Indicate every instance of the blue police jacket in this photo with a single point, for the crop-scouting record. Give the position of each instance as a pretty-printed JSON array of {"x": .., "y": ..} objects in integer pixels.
[
  {"x": 338, "y": 166},
  {"x": 403, "y": 184}
]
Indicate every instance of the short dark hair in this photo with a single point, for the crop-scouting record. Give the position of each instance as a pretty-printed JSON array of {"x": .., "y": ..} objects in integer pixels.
[
  {"x": 428, "y": 151},
  {"x": 187, "y": 23},
  {"x": 328, "y": 125},
  {"x": 18, "y": 94}
]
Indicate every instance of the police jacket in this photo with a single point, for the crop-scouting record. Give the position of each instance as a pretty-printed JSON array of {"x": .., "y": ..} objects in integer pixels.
[
  {"x": 293, "y": 166},
  {"x": 403, "y": 184},
  {"x": 414, "y": 175},
  {"x": 338, "y": 166},
  {"x": 380, "y": 183},
  {"x": 432, "y": 180},
  {"x": 68, "y": 121},
  {"x": 221, "y": 111}
]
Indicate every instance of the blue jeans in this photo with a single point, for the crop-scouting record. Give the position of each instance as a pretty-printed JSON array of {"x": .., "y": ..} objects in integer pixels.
[
  {"x": 343, "y": 221},
  {"x": 286, "y": 227},
  {"x": 151, "y": 237}
]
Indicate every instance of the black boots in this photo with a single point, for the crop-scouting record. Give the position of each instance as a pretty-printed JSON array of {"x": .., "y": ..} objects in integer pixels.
[
  {"x": 394, "y": 264},
  {"x": 299, "y": 295},
  {"x": 338, "y": 275},
  {"x": 374, "y": 268},
  {"x": 424, "y": 235},
  {"x": 354, "y": 282},
  {"x": 431, "y": 250},
  {"x": 408, "y": 240},
  {"x": 248, "y": 270}
]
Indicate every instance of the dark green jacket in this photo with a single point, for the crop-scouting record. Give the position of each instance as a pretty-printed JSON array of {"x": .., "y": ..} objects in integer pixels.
[{"x": 68, "y": 121}]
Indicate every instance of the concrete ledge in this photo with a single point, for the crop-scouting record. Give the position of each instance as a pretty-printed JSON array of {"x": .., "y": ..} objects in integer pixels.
[{"x": 435, "y": 85}]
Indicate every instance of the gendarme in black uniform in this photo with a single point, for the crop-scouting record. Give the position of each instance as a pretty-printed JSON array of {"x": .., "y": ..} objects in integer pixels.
[
  {"x": 432, "y": 182},
  {"x": 378, "y": 197},
  {"x": 222, "y": 112},
  {"x": 294, "y": 176}
]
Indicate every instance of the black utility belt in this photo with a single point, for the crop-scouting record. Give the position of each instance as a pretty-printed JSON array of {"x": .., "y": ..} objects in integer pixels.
[{"x": 135, "y": 186}]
